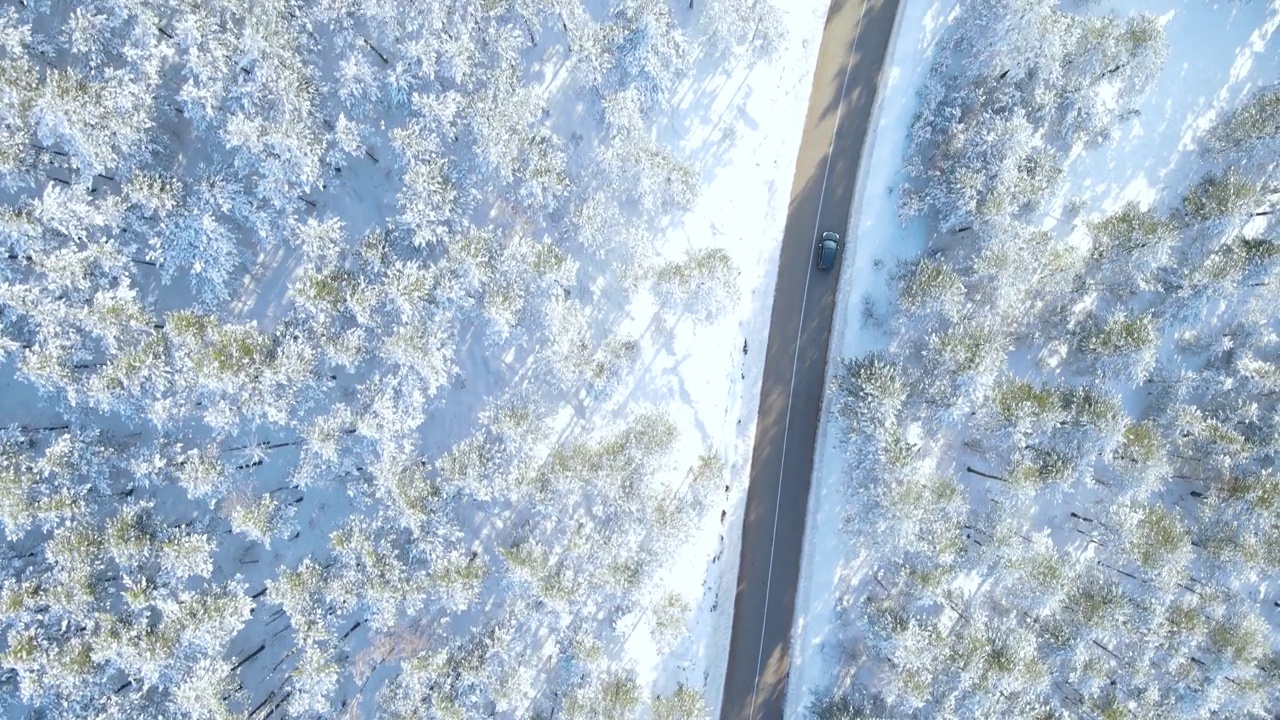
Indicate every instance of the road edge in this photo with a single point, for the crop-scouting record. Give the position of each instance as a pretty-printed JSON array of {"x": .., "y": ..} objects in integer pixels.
[
  {"x": 750, "y": 388},
  {"x": 792, "y": 702}
]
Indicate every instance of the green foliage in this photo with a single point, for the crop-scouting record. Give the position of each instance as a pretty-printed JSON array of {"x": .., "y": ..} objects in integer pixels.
[
  {"x": 183, "y": 554},
  {"x": 1140, "y": 33},
  {"x": 897, "y": 451},
  {"x": 17, "y": 511},
  {"x": 325, "y": 291},
  {"x": 526, "y": 560},
  {"x": 1140, "y": 444},
  {"x": 1209, "y": 434},
  {"x": 1185, "y": 620},
  {"x": 1099, "y": 602},
  {"x": 1159, "y": 537},
  {"x": 239, "y": 352},
  {"x": 260, "y": 520},
  {"x": 669, "y": 616},
  {"x": 1045, "y": 569},
  {"x": 704, "y": 284},
  {"x": 153, "y": 193},
  {"x": 708, "y": 475},
  {"x": 379, "y": 571},
  {"x": 406, "y": 486},
  {"x": 76, "y": 551},
  {"x": 1131, "y": 229},
  {"x": 1240, "y": 638},
  {"x": 1237, "y": 257},
  {"x": 24, "y": 648},
  {"x": 459, "y": 577},
  {"x": 1220, "y": 195},
  {"x": 923, "y": 510},
  {"x": 837, "y": 707},
  {"x": 617, "y": 696},
  {"x": 623, "y": 458},
  {"x": 1122, "y": 335},
  {"x": 993, "y": 656},
  {"x": 145, "y": 358},
  {"x": 1256, "y": 120},
  {"x": 188, "y": 324},
  {"x": 969, "y": 349},
  {"x": 929, "y": 284},
  {"x": 203, "y": 475},
  {"x": 684, "y": 703},
  {"x": 620, "y": 696},
  {"x": 1017, "y": 400},
  {"x": 472, "y": 466},
  {"x": 131, "y": 533},
  {"x": 1093, "y": 409},
  {"x": 611, "y": 364},
  {"x": 1260, "y": 490},
  {"x": 1038, "y": 467},
  {"x": 871, "y": 390}
]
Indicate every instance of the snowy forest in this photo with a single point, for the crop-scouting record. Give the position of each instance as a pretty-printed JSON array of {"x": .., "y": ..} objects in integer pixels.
[
  {"x": 1063, "y": 460},
  {"x": 295, "y": 299}
]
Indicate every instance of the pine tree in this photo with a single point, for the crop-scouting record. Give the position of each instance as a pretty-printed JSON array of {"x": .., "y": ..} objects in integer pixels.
[
  {"x": 315, "y": 680},
  {"x": 262, "y": 520},
  {"x": 640, "y": 47},
  {"x": 1249, "y": 125},
  {"x": 1222, "y": 196},
  {"x": 669, "y": 617},
  {"x": 1132, "y": 246},
  {"x": 1123, "y": 347},
  {"x": 731, "y": 25},
  {"x": 928, "y": 288},
  {"x": 379, "y": 571},
  {"x": 302, "y": 593},
  {"x": 704, "y": 284}
]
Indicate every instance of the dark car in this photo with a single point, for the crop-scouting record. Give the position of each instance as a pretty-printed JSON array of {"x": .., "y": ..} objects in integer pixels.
[{"x": 828, "y": 247}]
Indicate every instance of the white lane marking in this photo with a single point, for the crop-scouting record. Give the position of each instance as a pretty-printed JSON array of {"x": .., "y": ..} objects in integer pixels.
[{"x": 795, "y": 361}]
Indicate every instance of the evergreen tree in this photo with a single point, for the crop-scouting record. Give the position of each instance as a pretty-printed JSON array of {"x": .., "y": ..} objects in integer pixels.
[{"x": 704, "y": 284}]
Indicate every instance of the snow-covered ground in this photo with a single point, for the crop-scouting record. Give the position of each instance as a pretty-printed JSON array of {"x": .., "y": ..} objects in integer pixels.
[
  {"x": 708, "y": 376},
  {"x": 1219, "y": 52}
]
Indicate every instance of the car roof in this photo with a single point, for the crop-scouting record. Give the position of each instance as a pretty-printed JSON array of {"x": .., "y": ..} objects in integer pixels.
[{"x": 827, "y": 255}]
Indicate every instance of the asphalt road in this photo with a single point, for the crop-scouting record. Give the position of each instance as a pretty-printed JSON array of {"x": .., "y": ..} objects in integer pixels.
[{"x": 854, "y": 43}]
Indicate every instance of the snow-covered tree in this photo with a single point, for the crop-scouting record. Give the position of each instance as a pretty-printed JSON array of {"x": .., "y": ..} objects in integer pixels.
[
  {"x": 261, "y": 520},
  {"x": 1250, "y": 126},
  {"x": 731, "y": 25},
  {"x": 1123, "y": 347},
  {"x": 641, "y": 47},
  {"x": 1132, "y": 246},
  {"x": 928, "y": 288},
  {"x": 684, "y": 703},
  {"x": 704, "y": 284},
  {"x": 1227, "y": 195}
]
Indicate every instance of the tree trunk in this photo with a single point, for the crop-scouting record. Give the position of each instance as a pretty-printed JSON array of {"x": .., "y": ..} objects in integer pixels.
[
  {"x": 376, "y": 51},
  {"x": 979, "y": 473}
]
